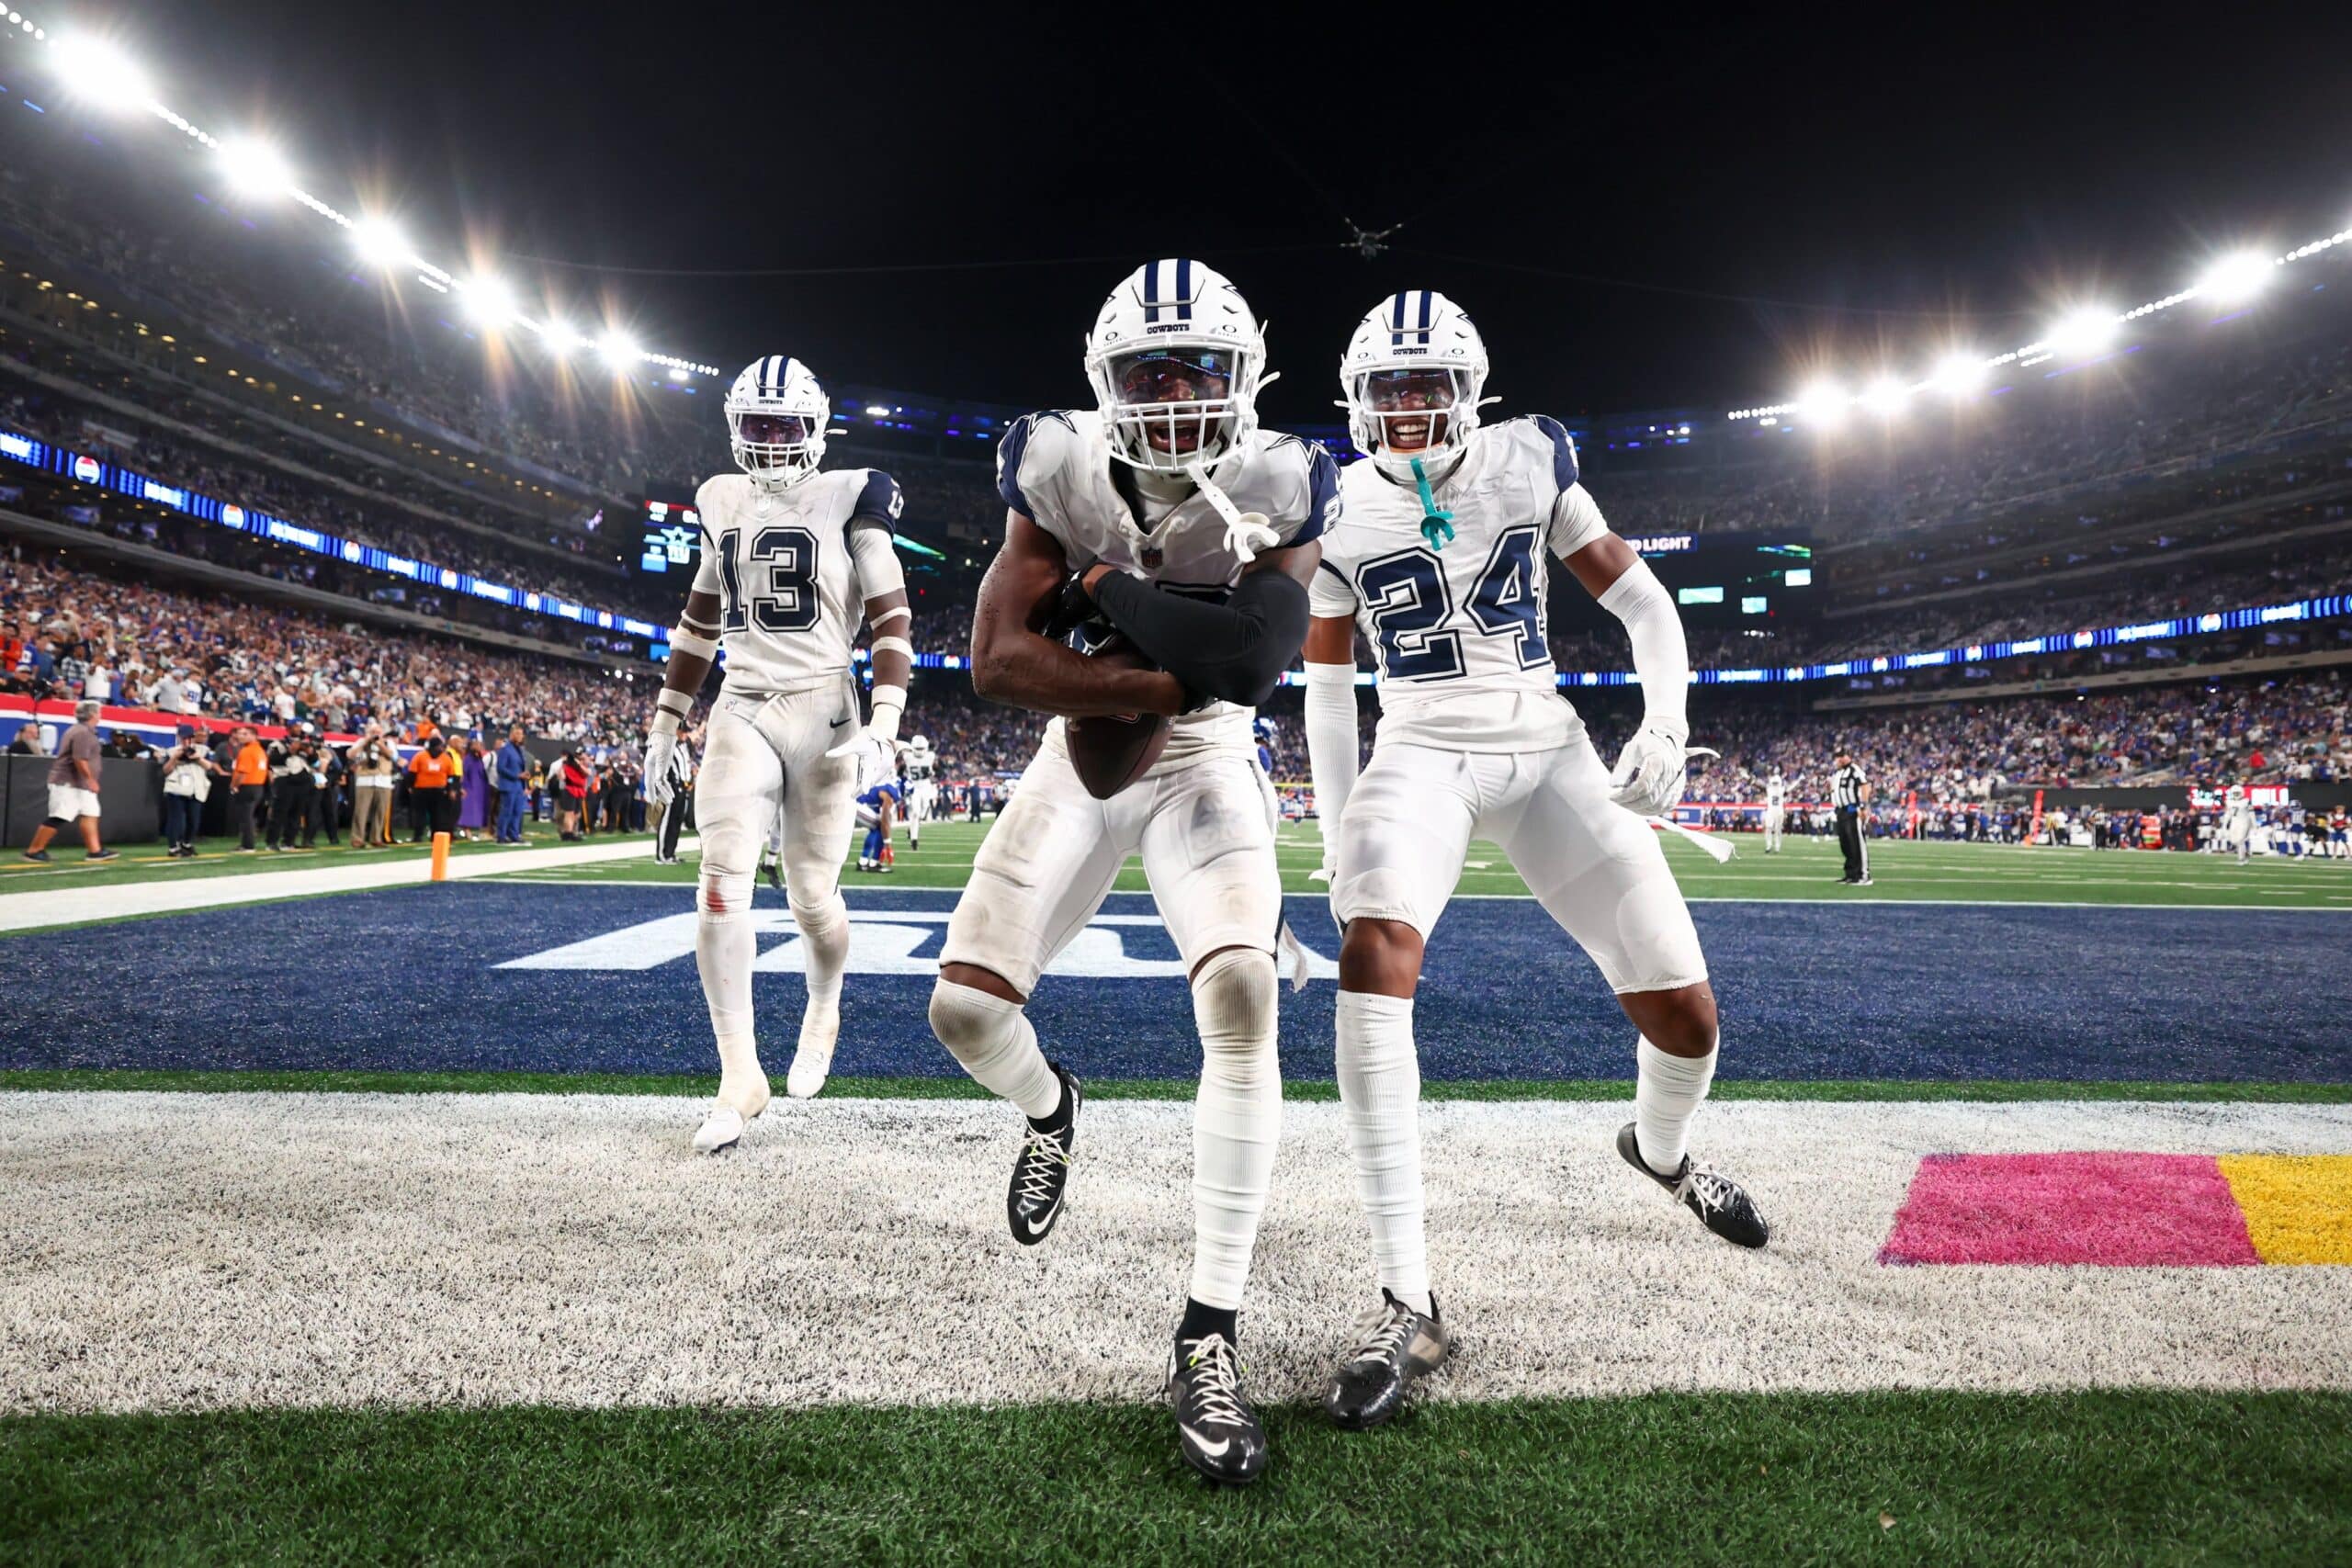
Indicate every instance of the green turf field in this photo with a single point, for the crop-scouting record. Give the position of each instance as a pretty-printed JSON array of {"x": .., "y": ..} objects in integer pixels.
[
  {"x": 1889, "y": 1477},
  {"x": 1808, "y": 868}
]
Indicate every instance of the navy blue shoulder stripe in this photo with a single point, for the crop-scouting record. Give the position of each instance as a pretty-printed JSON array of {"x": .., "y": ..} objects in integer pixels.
[
  {"x": 1008, "y": 464},
  {"x": 1564, "y": 449},
  {"x": 879, "y": 501}
]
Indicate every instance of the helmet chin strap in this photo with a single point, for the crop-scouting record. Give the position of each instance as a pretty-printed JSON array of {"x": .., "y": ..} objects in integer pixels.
[
  {"x": 1246, "y": 533},
  {"x": 1436, "y": 520}
]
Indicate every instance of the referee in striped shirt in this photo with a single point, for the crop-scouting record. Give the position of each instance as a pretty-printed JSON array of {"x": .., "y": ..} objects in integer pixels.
[{"x": 1850, "y": 792}]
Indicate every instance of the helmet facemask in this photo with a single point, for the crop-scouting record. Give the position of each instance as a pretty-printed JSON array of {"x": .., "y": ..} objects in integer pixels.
[
  {"x": 775, "y": 448},
  {"x": 1171, "y": 407},
  {"x": 1402, "y": 413}
]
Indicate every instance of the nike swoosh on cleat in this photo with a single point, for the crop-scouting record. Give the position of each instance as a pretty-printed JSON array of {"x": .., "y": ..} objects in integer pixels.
[{"x": 1207, "y": 1448}]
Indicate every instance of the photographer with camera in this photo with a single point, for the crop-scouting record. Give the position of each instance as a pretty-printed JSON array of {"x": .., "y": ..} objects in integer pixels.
[
  {"x": 189, "y": 772},
  {"x": 373, "y": 763}
]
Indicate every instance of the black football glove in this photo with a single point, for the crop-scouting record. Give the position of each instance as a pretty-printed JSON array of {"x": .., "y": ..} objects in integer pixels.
[{"x": 1072, "y": 608}]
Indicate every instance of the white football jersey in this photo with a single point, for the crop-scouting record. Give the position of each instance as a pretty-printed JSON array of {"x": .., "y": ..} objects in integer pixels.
[
  {"x": 920, "y": 763},
  {"x": 1055, "y": 468},
  {"x": 1776, "y": 790},
  {"x": 1461, "y": 634},
  {"x": 789, "y": 600},
  {"x": 2236, "y": 801}
]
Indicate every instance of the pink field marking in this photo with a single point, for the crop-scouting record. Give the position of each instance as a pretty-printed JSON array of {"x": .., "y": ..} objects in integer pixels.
[{"x": 2116, "y": 1210}]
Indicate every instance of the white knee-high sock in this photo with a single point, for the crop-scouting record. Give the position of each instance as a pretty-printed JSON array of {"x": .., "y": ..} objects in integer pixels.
[
  {"x": 1380, "y": 1096},
  {"x": 824, "y": 941},
  {"x": 724, "y": 948},
  {"x": 1668, "y": 1091},
  {"x": 993, "y": 1040},
  {"x": 1236, "y": 1120}
]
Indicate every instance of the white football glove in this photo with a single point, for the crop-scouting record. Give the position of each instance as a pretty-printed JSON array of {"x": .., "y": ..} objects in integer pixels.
[
  {"x": 659, "y": 750},
  {"x": 1648, "y": 779},
  {"x": 876, "y": 758}
]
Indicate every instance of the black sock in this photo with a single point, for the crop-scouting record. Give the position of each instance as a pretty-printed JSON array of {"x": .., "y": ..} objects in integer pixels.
[
  {"x": 1059, "y": 1120},
  {"x": 1203, "y": 1321}
]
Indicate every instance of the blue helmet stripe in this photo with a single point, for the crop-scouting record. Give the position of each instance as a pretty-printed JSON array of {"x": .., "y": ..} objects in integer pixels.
[
  {"x": 1151, "y": 291},
  {"x": 1396, "y": 317},
  {"x": 1184, "y": 289},
  {"x": 1425, "y": 315}
]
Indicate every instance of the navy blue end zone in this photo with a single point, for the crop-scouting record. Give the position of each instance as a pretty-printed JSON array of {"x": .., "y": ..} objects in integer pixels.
[{"x": 408, "y": 980}]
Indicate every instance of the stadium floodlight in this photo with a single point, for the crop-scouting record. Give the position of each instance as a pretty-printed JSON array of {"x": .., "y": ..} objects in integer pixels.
[
  {"x": 381, "y": 244},
  {"x": 1823, "y": 405},
  {"x": 619, "y": 350},
  {"x": 875, "y": 410},
  {"x": 1960, "y": 373},
  {"x": 679, "y": 373},
  {"x": 2081, "y": 332},
  {"x": 254, "y": 167},
  {"x": 562, "y": 339},
  {"x": 97, "y": 74},
  {"x": 2237, "y": 277},
  {"x": 489, "y": 300},
  {"x": 1885, "y": 396}
]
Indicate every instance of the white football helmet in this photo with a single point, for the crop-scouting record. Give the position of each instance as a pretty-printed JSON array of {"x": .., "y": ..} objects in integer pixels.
[
  {"x": 1410, "y": 382},
  {"x": 1176, "y": 358},
  {"x": 920, "y": 743},
  {"x": 776, "y": 416}
]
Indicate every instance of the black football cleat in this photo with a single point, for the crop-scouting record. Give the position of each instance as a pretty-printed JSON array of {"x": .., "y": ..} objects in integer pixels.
[
  {"x": 1721, "y": 1203},
  {"x": 1041, "y": 1171},
  {"x": 1399, "y": 1344},
  {"x": 1215, "y": 1426}
]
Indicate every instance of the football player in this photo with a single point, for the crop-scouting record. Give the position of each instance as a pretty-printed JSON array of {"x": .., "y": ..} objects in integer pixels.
[
  {"x": 877, "y": 811},
  {"x": 921, "y": 767},
  {"x": 1443, "y": 556},
  {"x": 2237, "y": 821},
  {"x": 1166, "y": 513},
  {"x": 1776, "y": 810},
  {"x": 792, "y": 559}
]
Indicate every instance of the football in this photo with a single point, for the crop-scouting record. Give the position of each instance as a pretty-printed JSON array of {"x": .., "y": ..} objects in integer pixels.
[{"x": 1110, "y": 753}]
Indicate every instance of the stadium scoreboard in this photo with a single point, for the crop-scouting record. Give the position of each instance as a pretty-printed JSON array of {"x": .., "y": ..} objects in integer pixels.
[
  {"x": 1730, "y": 578},
  {"x": 671, "y": 532}
]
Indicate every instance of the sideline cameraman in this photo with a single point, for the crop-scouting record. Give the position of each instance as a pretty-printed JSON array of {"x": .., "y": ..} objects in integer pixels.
[{"x": 189, "y": 772}]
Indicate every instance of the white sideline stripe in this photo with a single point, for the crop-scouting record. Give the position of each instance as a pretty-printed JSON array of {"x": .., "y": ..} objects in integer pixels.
[
  {"x": 1529, "y": 898},
  {"x": 205, "y": 1251},
  {"x": 64, "y": 906}
]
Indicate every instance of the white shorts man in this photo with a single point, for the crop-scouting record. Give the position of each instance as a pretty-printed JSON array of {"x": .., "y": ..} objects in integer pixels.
[{"x": 73, "y": 788}]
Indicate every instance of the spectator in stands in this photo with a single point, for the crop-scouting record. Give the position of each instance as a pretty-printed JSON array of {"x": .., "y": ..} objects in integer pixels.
[
  {"x": 248, "y": 779},
  {"x": 372, "y": 763},
  {"x": 168, "y": 694},
  {"x": 27, "y": 741},
  {"x": 513, "y": 775},
  {"x": 74, "y": 787}
]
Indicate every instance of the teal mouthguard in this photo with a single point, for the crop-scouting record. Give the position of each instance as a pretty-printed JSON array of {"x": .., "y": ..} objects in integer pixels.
[{"x": 1439, "y": 521}]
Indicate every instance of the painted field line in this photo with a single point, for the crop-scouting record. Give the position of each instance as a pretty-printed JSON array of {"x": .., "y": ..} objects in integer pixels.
[
  {"x": 1688, "y": 897},
  {"x": 29, "y": 912},
  {"x": 175, "y": 1251}
]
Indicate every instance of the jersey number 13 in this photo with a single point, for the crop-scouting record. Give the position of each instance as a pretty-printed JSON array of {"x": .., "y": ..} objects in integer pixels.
[{"x": 787, "y": 557}]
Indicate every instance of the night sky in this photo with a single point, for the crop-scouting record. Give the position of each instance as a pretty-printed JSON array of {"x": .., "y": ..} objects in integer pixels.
[{"x": 1936, "y": 178}]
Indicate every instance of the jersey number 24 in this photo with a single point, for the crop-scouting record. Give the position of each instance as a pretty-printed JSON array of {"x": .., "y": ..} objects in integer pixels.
[
  {"x": 1410, "y": 606},
  {"x": 788, "y": 557}
]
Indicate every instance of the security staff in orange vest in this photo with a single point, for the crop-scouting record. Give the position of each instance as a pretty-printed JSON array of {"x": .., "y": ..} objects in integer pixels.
[
  {"x": 248, "y": 777},
  {"x": 431, "y": 775}
]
